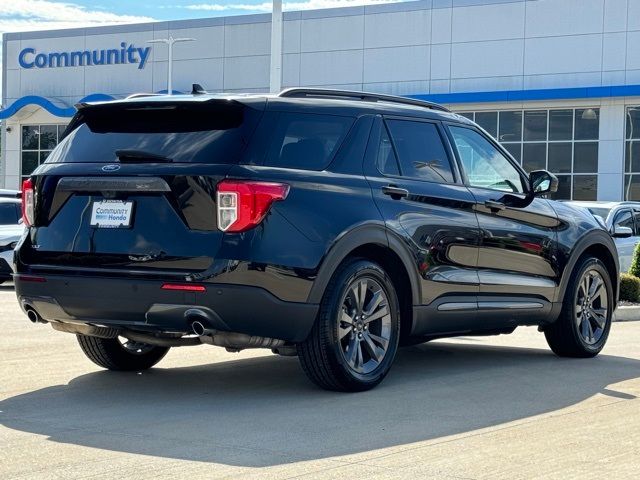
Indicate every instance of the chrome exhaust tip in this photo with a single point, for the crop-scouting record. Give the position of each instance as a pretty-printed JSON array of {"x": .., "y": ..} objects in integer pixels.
[
  {"x": 198, "y": 328},
  {"x": 33, "y": 316}
]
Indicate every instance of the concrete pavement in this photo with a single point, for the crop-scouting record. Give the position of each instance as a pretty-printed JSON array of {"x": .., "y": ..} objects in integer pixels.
[{"x": 473, "y": 408}]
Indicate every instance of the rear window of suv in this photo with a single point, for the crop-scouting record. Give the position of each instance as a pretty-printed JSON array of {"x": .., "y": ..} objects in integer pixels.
[{"x": 211, "y": 132}]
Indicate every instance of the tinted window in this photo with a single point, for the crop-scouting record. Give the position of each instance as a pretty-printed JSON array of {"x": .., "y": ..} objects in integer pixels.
[
  {"x": 306, "y": 141},
  {"x": 387, "y": 161},
  {"x": 420, "y": 151},
  {"x": 211, "y": 132},
  {"x": 601, "y": 212},
  {"x": 484, "y": 165},
  {"x": 8, "y": 214}
]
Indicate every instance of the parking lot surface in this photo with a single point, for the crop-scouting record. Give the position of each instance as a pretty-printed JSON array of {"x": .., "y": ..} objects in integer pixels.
[{"x": 495, "y": 407}]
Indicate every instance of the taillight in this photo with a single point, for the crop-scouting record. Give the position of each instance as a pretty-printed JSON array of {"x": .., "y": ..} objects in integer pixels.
[
  {"x": 28, "y": 202},
  {"x": 242, "y": 205}
]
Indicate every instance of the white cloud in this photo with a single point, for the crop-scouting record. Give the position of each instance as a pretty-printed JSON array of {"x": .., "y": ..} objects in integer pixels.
[
  {"x": 24, "y": 15},
  {"x": 29, "y": 15},
  {"x": 266, "y": 6}
]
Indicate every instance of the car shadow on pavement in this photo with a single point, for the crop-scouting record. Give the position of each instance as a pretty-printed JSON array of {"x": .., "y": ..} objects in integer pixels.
[{"x": 263, "y": 411}]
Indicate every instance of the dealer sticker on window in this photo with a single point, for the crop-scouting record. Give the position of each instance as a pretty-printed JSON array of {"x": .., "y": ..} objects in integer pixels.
[{"x": 111, "y": 214}]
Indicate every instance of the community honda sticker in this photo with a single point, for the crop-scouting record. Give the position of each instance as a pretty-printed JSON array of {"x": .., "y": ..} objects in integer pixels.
[{"x": 111, "y": 214}]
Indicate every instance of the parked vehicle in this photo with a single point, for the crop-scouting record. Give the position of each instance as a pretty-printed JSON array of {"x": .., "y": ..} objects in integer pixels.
[
  {"x": 11, "y": 229},
  {"x": 4, "y": 193},
  {"x": 328, "y": 224},
  {"x": 622, "y": 219}
]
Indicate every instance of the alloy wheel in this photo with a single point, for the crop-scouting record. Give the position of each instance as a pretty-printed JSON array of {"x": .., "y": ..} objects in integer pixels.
[
  {"x": 364, "y": 326},
  {"x": 591, "y": 309}
]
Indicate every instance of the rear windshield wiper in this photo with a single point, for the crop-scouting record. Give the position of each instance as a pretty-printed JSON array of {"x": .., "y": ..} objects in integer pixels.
[{"x": 140, "y": 156}]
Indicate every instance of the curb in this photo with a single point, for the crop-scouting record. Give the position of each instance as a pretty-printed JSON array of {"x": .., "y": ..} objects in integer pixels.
[{"x": 627, "y": 314}]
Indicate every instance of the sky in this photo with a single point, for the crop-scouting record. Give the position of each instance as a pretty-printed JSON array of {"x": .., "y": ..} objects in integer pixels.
[
  {"x": 27, "y": 15},
  {"x": 24, "y": 15}
]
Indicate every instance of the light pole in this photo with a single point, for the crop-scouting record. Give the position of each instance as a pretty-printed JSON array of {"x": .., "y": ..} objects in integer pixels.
[
  {"x": 275, "y": 75},
  {"x": 169, "y": 42}
]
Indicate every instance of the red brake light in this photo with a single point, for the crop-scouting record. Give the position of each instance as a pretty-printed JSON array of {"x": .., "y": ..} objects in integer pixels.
[
  {"x": 28, "y": 202},
  {"x": 242, "y": 205},
  {"x": 184, "y": 287}
]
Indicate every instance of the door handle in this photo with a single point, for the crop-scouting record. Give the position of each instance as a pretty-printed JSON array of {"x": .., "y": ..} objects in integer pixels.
[
  {"x": 494, "y": 206},
  {"x": 395, "y": 192}
]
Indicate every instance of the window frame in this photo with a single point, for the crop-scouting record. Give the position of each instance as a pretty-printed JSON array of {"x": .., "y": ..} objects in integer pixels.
[
  {"x": 455, "y": 171},
  {"x": 523, "y": 175}
]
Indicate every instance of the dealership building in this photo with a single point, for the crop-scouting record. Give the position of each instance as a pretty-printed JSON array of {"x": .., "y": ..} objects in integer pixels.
[{"x": 557, "y": 82}]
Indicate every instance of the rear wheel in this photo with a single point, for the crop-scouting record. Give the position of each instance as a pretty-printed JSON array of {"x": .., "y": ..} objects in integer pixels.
[
  {"x": 584, "y": 323},
  {"x": 117, "y": 354},
  {"x": 355, "y": 338}
]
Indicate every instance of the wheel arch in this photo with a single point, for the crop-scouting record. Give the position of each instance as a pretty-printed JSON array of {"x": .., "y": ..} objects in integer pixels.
[
  {"x": 600, "y": 245},
  {"x": 374, "y": 243}
]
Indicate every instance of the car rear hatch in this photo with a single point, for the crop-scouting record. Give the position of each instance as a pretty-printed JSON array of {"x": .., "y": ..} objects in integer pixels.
[{"x": 132, "y": 186}]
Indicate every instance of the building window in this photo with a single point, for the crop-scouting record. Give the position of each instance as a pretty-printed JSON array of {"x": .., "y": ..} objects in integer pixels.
[
  {"x": 37, "y": 143},
  {"x": 563, "y": 141},
  {"x": 632, "y": 155}
]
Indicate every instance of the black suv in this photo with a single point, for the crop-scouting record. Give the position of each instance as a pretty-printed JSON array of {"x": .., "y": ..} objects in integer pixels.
[{"x": 326, "y": 224}]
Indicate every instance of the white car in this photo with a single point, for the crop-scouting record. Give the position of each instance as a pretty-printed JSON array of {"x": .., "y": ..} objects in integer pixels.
[
  {"x": 623, "y": 222},
  {"x": 11, "y": 229}
]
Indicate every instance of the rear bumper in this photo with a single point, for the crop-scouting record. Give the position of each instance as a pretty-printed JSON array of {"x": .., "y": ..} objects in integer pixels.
[{"x": 143, "y": 305}]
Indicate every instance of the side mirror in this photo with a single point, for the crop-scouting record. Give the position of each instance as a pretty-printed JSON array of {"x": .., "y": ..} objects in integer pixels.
[
  {"x": 618, "y": 231},
  {"x": 542, "y": 182}
]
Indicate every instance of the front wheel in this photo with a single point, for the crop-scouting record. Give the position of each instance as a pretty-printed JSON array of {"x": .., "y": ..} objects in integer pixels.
[
  {"x": 123, "y": 355},
  {"x": 355, "y": 338},
  {"x": 584, "y": 323}
]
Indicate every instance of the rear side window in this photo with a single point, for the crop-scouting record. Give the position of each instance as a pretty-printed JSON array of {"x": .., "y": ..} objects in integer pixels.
[
  {"x": 8, "y": 214},
  {"x": 208, "y": 132},
  {"x": 420, "y": 151},
  {"x": 306, "y": 141}
]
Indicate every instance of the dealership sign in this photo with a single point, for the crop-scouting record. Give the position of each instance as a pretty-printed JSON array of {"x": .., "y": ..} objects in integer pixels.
[{"x": 126, "y": 54}]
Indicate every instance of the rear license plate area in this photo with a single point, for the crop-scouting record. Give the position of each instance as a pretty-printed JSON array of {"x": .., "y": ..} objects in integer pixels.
[{"x": 111, "y": 214}]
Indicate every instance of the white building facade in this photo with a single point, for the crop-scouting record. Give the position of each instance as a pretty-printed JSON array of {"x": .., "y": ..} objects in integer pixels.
[{"x": 557, "y": 82}]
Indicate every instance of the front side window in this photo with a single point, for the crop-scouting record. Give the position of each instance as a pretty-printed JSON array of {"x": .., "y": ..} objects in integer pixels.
[
  {"x": 484, "y": 164},
  {"x": 420, "y": 151}
]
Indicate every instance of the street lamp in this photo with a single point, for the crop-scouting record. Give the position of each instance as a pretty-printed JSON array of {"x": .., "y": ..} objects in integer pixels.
[
  {"x": 275, "y": 75},
  {"x": 169, "y": 42}
]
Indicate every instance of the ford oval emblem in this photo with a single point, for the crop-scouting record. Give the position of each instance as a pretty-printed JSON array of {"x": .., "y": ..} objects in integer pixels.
[{"x": 111, "y": 168}]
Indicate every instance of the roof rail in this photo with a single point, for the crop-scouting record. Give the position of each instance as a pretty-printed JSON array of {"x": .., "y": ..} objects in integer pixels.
[
  {"x": 362, "y": 96},
  {"x": 139, "y": 95}
]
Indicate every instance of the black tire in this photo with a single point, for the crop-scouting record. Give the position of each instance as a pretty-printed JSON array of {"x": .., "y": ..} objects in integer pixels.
[
  {"x": 325, "y": 355},
  {"x": 110, "y": 353},
  {"x": 566, "y": 335}
]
